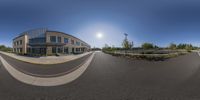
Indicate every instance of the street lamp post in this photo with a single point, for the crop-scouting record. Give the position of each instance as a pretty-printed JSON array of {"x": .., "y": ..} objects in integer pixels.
[
  {"x": 126, "y": 35},
  {"x": 126, "y": 39}
]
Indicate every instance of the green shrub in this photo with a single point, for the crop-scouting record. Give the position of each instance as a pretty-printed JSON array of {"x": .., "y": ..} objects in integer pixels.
[
  {"x": 172, "y": 46},
  {"x": 5, "y": 49},
  {"x": 189, "y": 51},
  {"x": 149, "y": 57},
  {"x": 147, "y": 46}
]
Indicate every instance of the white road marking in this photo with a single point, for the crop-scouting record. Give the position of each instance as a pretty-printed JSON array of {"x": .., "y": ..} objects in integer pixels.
[
  {"x": 49, "y": 81},
  {"x": 198, "y": 53}
]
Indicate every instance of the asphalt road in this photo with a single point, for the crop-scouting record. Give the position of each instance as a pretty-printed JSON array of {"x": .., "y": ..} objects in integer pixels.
[
  {"x": 114, "y": 78},
  {"x": 42, "y": 70}
]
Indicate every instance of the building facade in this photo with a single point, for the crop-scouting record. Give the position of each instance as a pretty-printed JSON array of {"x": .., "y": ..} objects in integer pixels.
[{"x": 47, "y": 42}]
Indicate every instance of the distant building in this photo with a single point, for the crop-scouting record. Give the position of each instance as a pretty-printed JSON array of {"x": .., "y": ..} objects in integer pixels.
[{"x": 45, "y": 42}]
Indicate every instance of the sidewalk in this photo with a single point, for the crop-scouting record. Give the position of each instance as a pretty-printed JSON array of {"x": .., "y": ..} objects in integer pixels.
[{"x": 47, "y": 59}]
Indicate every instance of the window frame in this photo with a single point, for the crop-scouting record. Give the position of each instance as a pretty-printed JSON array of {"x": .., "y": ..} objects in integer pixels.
[
  {"x": 59, "y": 39},
  {"x": 66, "y": 39},
  {"x": 52, "y": 38}
]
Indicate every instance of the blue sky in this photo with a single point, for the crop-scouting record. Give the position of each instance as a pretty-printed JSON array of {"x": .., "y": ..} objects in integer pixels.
[{"x": 157, "y": 21}]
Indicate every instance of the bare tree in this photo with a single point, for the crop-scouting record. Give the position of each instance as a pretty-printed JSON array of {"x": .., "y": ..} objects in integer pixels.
[{"x": 127, "y": 44}]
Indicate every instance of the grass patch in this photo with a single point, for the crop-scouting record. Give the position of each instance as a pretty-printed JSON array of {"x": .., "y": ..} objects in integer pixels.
[{"x": 150, "y": 56}]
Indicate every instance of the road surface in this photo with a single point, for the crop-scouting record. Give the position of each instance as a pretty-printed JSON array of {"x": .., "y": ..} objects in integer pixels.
[
  {"x": 47, "y": 69},
  {"x": 115, "y": 78}
]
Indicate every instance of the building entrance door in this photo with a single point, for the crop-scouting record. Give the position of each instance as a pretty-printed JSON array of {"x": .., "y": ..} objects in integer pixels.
[
  {"x": 73, "y": 50},
  {"x": 66, "y": 50}
]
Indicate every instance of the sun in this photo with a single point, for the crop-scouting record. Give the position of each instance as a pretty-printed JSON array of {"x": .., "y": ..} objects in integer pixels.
[{"x": 99, "y": 35}]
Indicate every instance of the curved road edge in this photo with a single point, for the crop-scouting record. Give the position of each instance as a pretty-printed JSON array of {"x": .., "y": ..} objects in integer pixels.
[{"x": 50, "y": 81}]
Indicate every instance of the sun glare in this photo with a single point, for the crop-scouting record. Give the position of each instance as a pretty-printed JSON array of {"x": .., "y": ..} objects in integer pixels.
[{"x": 99, "y": 35}]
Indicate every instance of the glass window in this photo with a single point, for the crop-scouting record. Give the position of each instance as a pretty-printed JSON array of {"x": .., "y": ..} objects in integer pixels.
[
  {"x": 37, "y": 40},
  {"x": 77, "y": 49},
  {"x": 20, "y": 42},
  {"x": 20, "y": 50},
  {"x": 65, "y": 40},
  {"x": 60, "y": 49},
  {"x": 65, "y": 50},
  {"x": 78, "y": 43},
  {"x": 59, "y": 39},
  {"x": 54, "y": 50},
  {"x": 53, "y": 39}
]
